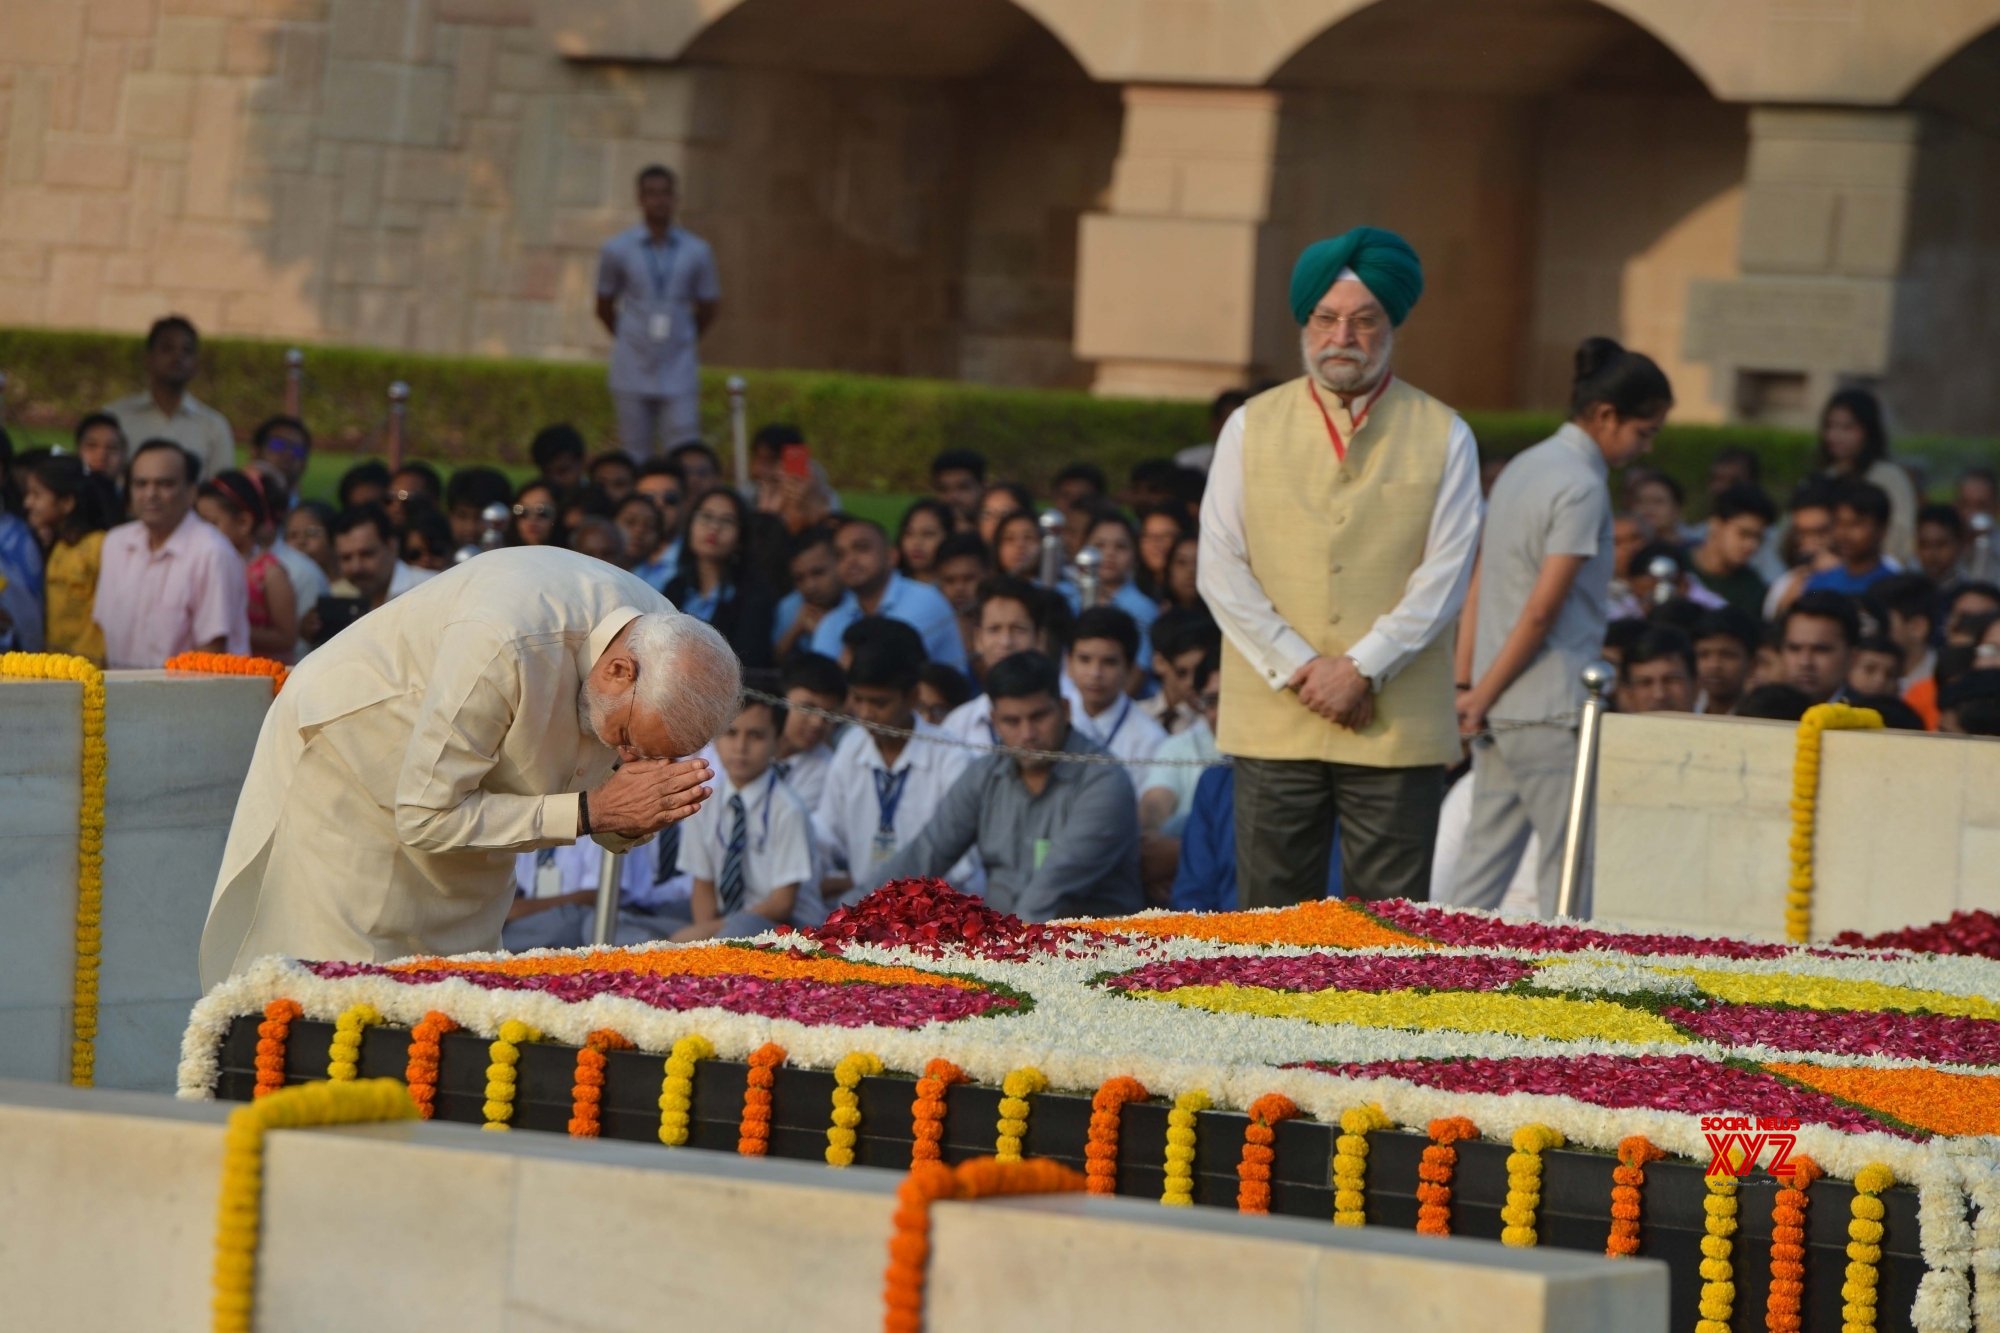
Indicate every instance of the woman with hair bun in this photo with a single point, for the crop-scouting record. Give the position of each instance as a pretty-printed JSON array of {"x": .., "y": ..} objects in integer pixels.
[{"x": 1538, "y": 608}]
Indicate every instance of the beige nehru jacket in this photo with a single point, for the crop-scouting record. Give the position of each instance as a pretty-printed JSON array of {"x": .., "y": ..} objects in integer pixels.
[
  {"x": 409, "y": 759},
  {"x": 1333, "y": 544}
]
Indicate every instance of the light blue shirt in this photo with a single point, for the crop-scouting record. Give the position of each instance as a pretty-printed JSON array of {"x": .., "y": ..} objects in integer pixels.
[
  {"x": 918, "y": 605},
  {"x": 660, "y": 569},
  {"x": 651, "y": 279}
]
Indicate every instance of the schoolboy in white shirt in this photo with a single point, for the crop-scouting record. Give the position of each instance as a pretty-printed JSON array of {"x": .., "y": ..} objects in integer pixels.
[
  {"x": 1101, "y": 655},
  {"x": 1013, "y": 618},
  {"x": 749, "y": 848},
  {"x": 804, "y": 752}
]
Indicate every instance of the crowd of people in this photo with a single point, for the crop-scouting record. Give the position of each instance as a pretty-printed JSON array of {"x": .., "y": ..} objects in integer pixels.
[{"x": 888, "y": 662}]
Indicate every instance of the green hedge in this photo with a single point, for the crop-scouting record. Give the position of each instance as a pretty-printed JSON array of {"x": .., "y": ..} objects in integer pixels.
[{"x": 872, "y": 432}]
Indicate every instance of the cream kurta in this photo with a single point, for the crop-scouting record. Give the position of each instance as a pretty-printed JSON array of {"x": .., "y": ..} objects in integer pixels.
[{"x": 409, "y": 759}]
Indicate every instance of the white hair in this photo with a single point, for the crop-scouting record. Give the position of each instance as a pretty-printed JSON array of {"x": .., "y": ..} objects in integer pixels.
[{"x": 688, "y": 674}]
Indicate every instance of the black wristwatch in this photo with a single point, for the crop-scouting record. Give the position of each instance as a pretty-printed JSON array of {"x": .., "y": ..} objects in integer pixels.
[{"x": 583, "y": 814}]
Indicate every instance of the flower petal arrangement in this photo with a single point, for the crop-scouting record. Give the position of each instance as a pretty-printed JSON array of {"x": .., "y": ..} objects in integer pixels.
[{"x": 1537, "y": 1033}]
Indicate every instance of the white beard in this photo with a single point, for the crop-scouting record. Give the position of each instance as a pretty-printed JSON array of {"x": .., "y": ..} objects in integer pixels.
[
  {"x": 593, "y": 712},
  {"x": 1345, "y": 369}
]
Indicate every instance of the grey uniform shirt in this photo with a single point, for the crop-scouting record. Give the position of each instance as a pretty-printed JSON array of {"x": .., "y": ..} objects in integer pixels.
[
  {"x": 1071, "y": 851},
  {"x": 656, "y": 286},
  {"x": 1550, "y": 500}
]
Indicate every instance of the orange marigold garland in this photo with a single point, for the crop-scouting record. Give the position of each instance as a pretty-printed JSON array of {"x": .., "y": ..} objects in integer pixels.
[
  {"x": 586, "y": 1095},
  {"x": 272, "y": 1034},
  {"x": 928, "y": 1182},
  {"x": 1783, "y": 1308},
  {"x": 421, "y": 1072},
  {"x": 1253, "y": 1170},
  {"x": 230, "y": 664},
  {"x": 927, "y": 1112},
  {"x": 1100, "y": 1151},
  {"x": 753, "y": 1135},
  {"x": 1434, "y": 1173},
  {"x": 1629, "y": 1178}
]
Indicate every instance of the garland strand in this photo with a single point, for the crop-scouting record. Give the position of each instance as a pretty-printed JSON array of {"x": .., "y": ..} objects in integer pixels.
[
  {"x": 1524, "y": 1184},
  {"x": 1100, "y": 1150},
  {"x": 93, "y": 765},
  {"x": 272, "y": 1034},
  {"x": 1629, "y": 1178},
  {"x": 677, "y": 1086},
  {"x": 230, "y": 664},
  {"x": 240, "y": 1202},
  {"x": 1253, "y": 1170},
  {"x": 753, "y": 1134},
  {"x": 421, "y": 1073},
  {"x": 343, "y": 1055},
  {"x": 503, "y": 1055},
  {"x": 1718, "y": 1285},
  {"x": 1783, "y": 1308},
  {"x": 1350, "y": 1163},
  {"x": 1015, "y": 1089},
  {"x": 1864, "y": 1248},
  {"x": 928, "y": 1182},
  {"x": 1818, "y": 720},
  {"x": 1179, "y": 1190},
  {"x": 1435, "y": 1171},
  {"x": 586, "y": 1095},
  {"x": 847, "y": 1076},
  {"x": 927, "y": 1112}
]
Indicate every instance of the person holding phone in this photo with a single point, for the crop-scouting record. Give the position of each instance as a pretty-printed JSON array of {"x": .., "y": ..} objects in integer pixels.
[
  {"x": 657, "y": 294},
  {"x": 786, "y": 480}
]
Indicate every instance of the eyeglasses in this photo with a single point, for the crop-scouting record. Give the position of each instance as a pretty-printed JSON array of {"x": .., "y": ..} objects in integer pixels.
[
  {"x": 715, "y": 518},
  {"x": 1362, "y": 324},
  {"x": 667, "y": 498},
  {"x": 534, "y": 511}
]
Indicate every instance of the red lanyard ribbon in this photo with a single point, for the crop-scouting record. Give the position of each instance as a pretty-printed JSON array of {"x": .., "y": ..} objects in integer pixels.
[{"x": 1360, "y": 418}]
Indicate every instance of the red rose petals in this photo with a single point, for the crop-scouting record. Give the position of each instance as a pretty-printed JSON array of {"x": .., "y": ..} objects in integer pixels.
[
  {"x": 930, "y": 917},
  {"x": 1328, "y": 971},
  {"x": 1472, "y": 931},
  {"x": 1942, "y": 1038},
  {"x": 1974, "y": 933}
]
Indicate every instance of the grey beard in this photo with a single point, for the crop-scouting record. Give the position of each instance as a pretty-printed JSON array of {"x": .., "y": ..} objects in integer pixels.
[{"x": 1348, "y": 376}]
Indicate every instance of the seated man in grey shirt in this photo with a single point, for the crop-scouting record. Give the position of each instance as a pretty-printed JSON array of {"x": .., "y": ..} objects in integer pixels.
[{"x": 1058, "y": 839}]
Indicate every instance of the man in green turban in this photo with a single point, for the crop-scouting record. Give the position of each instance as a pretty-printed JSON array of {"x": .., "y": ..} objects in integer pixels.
[{"x": 1337, "y": 536}]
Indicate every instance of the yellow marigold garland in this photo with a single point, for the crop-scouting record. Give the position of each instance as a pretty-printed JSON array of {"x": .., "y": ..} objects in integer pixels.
[
  {"x": 1015, "y": 1090},
  {"x": 503, "y": 1055},
  {"x": 239, "y": 1205},
  {"x": 677, "y": 1086},
  {"x": 1179, "y": 1191},
  {"x": 89, "y": 847},
  {"x": 343, "y": 1055},
  {"x": 1818, "y": 720},
  {"x": 1350, "y": 1163},
  {"x": 1524, "y": 1183},
  {"x": 1864, "y": 1248},
  {"x": 847, "y": 1076},
  {"x": 1718, "y": 1285}
]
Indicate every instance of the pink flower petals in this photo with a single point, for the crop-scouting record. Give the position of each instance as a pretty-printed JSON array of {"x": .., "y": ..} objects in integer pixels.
[
  {"x": 1473, "y": 931},
  {"x": 1328, "y": 971},
  {"x": 1940, "y": 1038}
]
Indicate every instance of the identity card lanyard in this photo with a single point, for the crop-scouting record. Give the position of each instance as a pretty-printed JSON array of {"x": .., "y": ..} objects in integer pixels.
[
  {"x": 888, "y": 795},
  {"x": 660, "y": 323},
  {"x": 1360, "y": 418},
  {"x": 1125, "y": 711}
]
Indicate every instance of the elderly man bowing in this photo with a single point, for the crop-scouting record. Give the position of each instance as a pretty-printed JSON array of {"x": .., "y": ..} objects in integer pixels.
[
  {"x": 1337, "y": 536},
  {"x": 407, "y": 761}
]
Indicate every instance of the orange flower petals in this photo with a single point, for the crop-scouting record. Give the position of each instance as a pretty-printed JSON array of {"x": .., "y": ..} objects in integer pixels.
[
  {"x": 700, "y": 961},
  {"x": 1629, "y": 1177},
  {"x": 421, "y": 1070},
  {"x": 927, "y": 1112},
  {"x": 1253, "y": 1170},
  {"x": 1100, "y": 1151},
  {"x": 1783, "y": 1308},
  {"x": 587, "y": 1095},
  {"x": 1955, "y": 1104},
  {"x": 928, "y": 1182},
  {"x": 753, "y": 1135},
  {"x": 1434, "y": 1173},
  {"x": 1326, "y": 922},
  {"x": 229, "y": 664},
  {"x": 272, "y": 1034}
]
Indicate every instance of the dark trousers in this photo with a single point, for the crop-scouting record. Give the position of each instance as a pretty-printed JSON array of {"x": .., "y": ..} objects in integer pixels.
[{"x": 1285, "y": 815}]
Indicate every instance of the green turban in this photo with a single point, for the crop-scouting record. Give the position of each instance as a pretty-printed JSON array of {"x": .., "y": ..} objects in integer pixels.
[{"x": 1383, "y": 261}]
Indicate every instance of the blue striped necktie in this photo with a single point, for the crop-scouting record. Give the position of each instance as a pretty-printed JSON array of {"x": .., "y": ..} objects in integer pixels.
[
  {"x": 729, "y": 889},
  {"x": 668, "y": 863}
]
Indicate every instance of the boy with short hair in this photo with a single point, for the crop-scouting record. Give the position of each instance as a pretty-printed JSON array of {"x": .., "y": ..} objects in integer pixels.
[
  {"x": 1906, "y": 606},
  {"x": 809, "y": 681},
  {"x": 1875, "y": 668},
  {"x": 1860, "y": 526},
  {"x": 1725, "y": 655},
  {"x": 1101, "y": 654},
  {"x": 1013, "y": 618},
  {"x": 816, "y": 590},
  {"x": 750, "y": 845},
  {"x": 1181, "y": 639},
  {"x": 1731, "y": 541},
  {"x": 1941, "y": 544}
]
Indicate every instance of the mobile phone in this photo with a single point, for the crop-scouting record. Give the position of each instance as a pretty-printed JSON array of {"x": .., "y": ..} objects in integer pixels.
[
  {"x": 795, "y": 461},
  {"x": 337, "y": 613}
]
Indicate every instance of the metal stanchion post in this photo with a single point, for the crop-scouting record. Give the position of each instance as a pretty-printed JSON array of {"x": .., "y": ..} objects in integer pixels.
[
  {"x": 295, "y": 372},
  {"x": 1666, "y": 579},
  {"x": 607, "y": 897},
  {"x": 1052, "y": 547},
  {"x": 739, "y": 430},
  {"x": 1086, "y": 578},
  {"x": 399, "y": 401},
  {"x": 1980, "y": 567},
  {"x": 1597, "y": 678}
]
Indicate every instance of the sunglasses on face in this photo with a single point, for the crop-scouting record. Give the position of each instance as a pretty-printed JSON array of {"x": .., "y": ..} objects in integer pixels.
[{"x": 535, "y": 511}]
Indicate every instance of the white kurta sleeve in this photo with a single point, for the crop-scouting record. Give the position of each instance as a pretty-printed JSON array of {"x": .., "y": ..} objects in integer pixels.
[
  {"x": 1435, "y": 592},
  {"x": 468, "y": 707},
  {"x": 1226, "y": 581}
]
